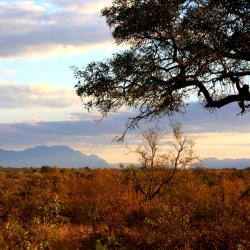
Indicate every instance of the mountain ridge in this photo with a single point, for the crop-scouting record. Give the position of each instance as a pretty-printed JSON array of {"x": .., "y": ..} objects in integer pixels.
[
  {"x": 58, "y": 155},
  {"x": 213, "y": 162},
  {"x": 209, "y": 162}
]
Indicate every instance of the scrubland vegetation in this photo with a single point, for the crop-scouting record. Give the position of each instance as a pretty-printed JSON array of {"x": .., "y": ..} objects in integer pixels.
[
  {"x": 163, "y": 203},
  {"x": 52, "y": 208}
]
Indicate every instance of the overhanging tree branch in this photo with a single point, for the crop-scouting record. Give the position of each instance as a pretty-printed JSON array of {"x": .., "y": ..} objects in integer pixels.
[{"x": 174, "y": 47}]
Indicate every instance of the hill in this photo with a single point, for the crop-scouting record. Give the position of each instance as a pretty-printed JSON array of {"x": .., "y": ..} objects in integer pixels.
[
  {"x": 43, "y": 155},
  {"x": 225, "y": 163}
]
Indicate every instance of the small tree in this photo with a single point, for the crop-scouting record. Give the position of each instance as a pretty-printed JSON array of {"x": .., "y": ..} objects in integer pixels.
[{"x": 158, "y": 170}]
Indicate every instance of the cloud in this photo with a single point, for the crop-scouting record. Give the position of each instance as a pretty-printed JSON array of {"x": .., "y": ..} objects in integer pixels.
[
  {"x": 195, "y": 120},
  {"x": 14, "y": 96},
  {"x": 31, "y": 29},
  {"x": 219, "y": 134},
  {"x": 198, "y": 119},
  {"x": 75, "y": 132},
  {"x": 223, "y": 145},
  {"x": 9, "y": 71},
  {"x": 87, "y": 136}
]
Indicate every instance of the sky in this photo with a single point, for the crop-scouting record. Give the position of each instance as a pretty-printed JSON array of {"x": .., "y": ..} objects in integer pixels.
[{"x": 39, "y": 41}]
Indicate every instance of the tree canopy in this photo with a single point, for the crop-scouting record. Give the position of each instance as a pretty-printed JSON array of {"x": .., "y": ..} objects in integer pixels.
[{"x": 175, "y": 48}]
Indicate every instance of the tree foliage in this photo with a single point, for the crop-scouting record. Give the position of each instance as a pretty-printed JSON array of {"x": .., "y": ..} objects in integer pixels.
[{"x": 176, "y": 48}]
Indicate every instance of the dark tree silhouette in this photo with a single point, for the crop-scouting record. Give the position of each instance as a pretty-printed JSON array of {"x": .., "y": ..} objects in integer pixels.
[{"x": 176, "y": 48}]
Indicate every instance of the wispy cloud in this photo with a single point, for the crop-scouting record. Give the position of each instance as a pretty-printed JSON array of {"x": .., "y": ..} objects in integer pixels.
[
  {"x": 30, "y": 28},
  {"x": 8, "y": 71},
  {"x": 14, "y": 96}
]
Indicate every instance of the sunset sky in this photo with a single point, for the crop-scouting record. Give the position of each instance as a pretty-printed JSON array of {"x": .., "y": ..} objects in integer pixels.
[{"x": 39, "y": 41}]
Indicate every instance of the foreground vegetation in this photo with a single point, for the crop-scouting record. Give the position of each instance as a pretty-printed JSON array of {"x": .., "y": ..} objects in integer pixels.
[{"x": 51, "y": 208}]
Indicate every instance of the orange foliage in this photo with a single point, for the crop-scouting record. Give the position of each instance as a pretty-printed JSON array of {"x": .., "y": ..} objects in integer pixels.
[{"x": 51, "y": 208}]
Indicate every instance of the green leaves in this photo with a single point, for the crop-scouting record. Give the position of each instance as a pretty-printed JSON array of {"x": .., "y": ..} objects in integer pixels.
[{"x": 176, "y": 48}]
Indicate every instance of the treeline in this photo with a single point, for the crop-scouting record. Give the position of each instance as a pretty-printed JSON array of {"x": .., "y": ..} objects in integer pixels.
[{"x": 52, "y": 208}]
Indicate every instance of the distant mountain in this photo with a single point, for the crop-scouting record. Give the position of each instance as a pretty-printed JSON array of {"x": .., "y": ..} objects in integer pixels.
[
  {"x": 225, "y": 163},
  {"x": 211, "y": 162},
  {"x": 61, "y": 156}
]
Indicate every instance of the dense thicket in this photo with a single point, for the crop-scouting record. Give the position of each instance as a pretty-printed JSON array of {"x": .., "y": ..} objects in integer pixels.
[{"x": 52, "y": 208}]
